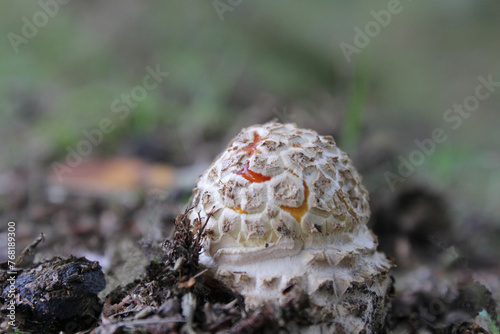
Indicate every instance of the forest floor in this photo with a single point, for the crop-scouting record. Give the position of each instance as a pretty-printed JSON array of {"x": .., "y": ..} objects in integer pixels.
[{"x": 446, "y": 275}]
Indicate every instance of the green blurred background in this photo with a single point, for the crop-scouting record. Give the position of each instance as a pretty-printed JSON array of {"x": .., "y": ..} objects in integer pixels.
[{"x": 232, "y": 64}]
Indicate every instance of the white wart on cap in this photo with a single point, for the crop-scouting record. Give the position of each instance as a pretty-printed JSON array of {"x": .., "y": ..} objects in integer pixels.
[{"x": 288, "y": 221}]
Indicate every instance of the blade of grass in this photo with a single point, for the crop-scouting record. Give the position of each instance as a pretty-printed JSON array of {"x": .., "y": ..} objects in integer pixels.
[
  {"x": 493, "y": 327},
  {"x": 356, "y": 106}
]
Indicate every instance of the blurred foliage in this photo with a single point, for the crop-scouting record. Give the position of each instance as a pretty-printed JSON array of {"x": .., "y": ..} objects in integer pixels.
[{"x": 66, "y": 77}]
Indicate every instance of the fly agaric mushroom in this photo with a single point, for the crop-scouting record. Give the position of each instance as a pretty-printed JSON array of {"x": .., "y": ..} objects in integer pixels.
[{"x": 288, "y": 222}]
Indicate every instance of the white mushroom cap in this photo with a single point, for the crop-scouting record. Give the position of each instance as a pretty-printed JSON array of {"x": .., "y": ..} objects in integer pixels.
[{"x": 289, "y": 210}]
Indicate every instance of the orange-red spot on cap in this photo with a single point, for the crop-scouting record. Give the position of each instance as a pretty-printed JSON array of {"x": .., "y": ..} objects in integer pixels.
[
  {"x": 238, "y": 209},
  {"x": 252, "y": 147},
  {"x": 300, "y": 211},
  {"x": 251, "y": 176}
]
